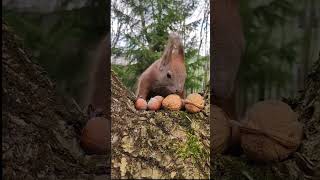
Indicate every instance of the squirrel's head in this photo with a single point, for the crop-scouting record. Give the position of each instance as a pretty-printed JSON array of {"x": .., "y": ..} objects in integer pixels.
[{"x": 172, "y": 68}]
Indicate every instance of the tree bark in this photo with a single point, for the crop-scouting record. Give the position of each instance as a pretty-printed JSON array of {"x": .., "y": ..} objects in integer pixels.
[
  {"x": 163, "y": 144},
  {"x": 41, "y": 128}
]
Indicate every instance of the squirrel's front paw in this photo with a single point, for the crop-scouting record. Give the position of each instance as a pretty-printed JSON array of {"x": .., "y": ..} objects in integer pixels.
[{"x": 141, "y": 104}]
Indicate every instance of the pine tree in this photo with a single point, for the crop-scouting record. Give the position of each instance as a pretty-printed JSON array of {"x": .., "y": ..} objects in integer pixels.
[{"x": 141, "y": 30}]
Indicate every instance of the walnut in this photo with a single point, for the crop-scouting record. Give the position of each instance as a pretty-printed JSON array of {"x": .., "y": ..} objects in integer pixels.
[
  {"x": 194, "y": 103},
  {"x": 270, "y": 131},
  {"x": 221, "y": 130},
  {"x": 93, "y": 138},
  {"x": 172, "y": 102}
]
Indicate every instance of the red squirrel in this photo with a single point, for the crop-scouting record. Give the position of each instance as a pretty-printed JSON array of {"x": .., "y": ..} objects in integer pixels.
[
  {"x": 99, "y": 83},
  {"x": 166, "y": 75},
  {"x": 96, "y": 136},
  {"x": 228, "y": 47}
]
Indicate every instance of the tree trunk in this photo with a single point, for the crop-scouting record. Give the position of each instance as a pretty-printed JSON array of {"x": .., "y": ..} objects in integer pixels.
[
  {"x": 41, "y": 128},
  {"x": 163, "y": 144}
]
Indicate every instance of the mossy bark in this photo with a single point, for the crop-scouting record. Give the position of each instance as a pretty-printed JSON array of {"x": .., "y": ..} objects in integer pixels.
[
  {"x": 162, "y": 145},
  {"x": 40, "y": 127}
]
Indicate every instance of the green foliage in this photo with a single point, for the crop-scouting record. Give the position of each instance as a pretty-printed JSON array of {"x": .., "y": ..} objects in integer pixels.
[
  {"x": 192, "y": 148},
  {"x": 144, "y": 32},
  {"x": 196, "y": 74},
  {"x": 267, "y": 58}
]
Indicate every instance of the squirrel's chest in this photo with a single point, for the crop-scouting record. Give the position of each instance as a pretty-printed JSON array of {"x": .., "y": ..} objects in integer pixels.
[{"x": 159, "y": 90}]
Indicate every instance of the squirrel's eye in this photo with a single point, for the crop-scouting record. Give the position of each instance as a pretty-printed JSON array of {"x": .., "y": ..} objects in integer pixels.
[{"x": 168, "y": 75}]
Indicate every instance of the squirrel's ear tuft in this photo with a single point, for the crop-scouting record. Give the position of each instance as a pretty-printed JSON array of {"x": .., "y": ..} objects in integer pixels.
[
  {"x": 165, "y": 60},
  {"x": 166, "y": 57},
  {"x": 93, "y": 112},
  {"x": 90, "y": 111}
]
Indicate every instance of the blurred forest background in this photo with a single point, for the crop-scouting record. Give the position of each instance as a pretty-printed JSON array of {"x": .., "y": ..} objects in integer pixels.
[
  {"x": 140, "y": 31},
  {"x": 282, "y": 42},
  {"x": 62, "y": 35}
]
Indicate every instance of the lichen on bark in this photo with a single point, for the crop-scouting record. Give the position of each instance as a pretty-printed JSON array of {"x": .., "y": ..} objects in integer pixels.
[{"x": 162, "y": 145}]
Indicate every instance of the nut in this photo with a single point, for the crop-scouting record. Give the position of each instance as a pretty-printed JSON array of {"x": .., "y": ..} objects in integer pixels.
[
  {"x": 172, "y": 102},
  {"x": 194, "y": 103},
  {"x": 94, "y": 136}
]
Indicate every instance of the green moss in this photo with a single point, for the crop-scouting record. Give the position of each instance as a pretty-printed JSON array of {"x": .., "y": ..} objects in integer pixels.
[
  {"x": 193, "y": 148},
  {"x": 184, "y": 119}
]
